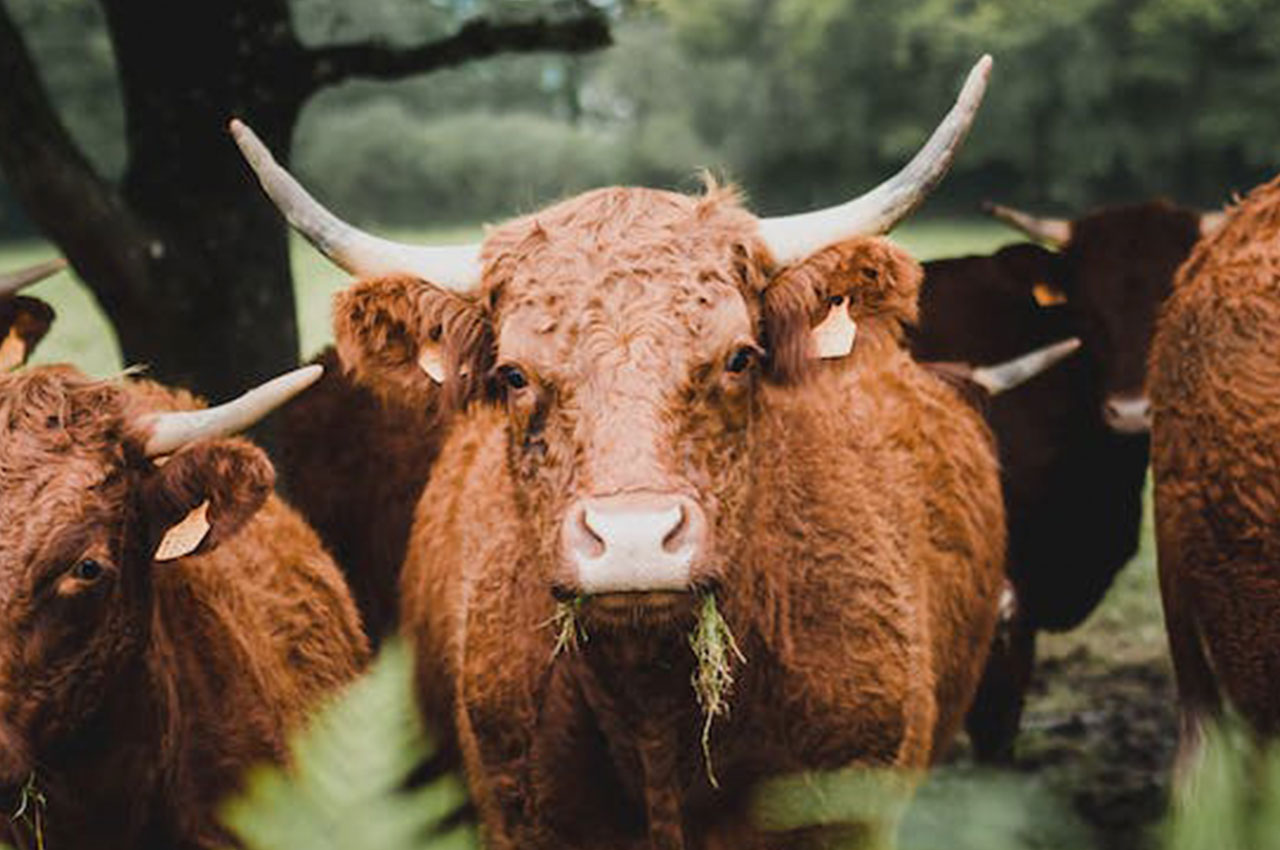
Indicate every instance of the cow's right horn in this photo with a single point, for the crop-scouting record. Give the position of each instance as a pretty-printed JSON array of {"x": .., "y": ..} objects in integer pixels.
[
  {"x": 452, "y": 267},
  {"x": 1054, "y": 232},
  {"x": 794, "y": 237},
  {"x": 12, "y": 282},
  {"x": 1002, "y": 377},
  {"x": 172, "y": 431}
]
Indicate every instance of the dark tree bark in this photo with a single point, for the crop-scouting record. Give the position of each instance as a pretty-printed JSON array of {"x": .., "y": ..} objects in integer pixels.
[{"x": 186, "y": 256}]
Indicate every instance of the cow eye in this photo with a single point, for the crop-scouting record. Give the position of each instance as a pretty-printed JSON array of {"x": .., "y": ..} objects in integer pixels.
[
  {"x": 741, "y": 359},
  {"x": 88, "y": 570},
  {"x": 835, "y": 300},
  {"x": 513, "y": 377}
]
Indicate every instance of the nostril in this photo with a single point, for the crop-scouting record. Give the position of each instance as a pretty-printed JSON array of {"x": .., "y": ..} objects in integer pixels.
[
  {"x": 676, "y": 537},
  {"x": 588, "y": 540}
]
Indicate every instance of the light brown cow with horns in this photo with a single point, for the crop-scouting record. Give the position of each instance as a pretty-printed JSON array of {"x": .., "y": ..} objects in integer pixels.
[
  {"x": 165, "y": 621},
  {"x": 655, "y": 450}
]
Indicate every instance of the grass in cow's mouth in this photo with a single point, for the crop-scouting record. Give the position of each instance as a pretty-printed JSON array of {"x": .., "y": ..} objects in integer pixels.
[
  {"x": 30, "y": 811},
  {"x": 714, "y": 648},
  {"x": 567, "y": 627}
]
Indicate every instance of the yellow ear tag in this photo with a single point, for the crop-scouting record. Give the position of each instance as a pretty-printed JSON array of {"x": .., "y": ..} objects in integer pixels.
[
  {"x": 13, "y": 351},
  {"x": 833, "y": 337},
  {"x": 1048, "y": 295},
  {"x": 431, "y": 361},
  {"x": 184, "y": 537}
]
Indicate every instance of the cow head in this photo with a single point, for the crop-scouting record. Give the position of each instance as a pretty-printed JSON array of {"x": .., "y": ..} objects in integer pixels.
[
  {"x": 99, "y": 490},
  {"x": 626, "y": 333},
  {"x": 23, "y": 321},
  {"x": 1114, "y": 269}
]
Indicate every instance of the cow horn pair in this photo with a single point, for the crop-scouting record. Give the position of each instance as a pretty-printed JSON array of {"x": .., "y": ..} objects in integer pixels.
[
  {"x": 790, "y": 238},
  {"x": 172, "y": 431},
  {"x": 12, "y": 282},
  {"x": 1056, "y": 232}
]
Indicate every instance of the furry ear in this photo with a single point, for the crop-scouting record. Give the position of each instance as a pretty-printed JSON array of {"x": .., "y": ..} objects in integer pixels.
[
  {"x": 403, "y": 338},
  {"x": 1040, "y": 268},
  {"x": 830, "y": 292},
  {"x": 204, "y": 494},
  {"x": 23, "y": 323}
]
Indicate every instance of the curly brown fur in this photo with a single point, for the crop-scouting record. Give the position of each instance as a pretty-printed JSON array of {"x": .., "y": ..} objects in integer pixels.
[
  {"x": 140, "y": 692},
  {"x": 1215, "y": 384},
  {"x": 852, "y": 516}
]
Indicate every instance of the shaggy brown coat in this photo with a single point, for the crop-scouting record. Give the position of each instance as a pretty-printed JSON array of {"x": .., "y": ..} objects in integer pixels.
[
  {"x": 1215, "y": 384},
  {"x": 354, "y": 466},
  {"x": 857, "y": 544},
  {"x": 137, "y": 692}
]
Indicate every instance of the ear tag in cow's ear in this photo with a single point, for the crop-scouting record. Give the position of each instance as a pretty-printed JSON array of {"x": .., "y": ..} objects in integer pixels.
[
  {"x": 1048, "y": 295},
  {"x": 431, "y": 361},
  {"x": 833, "y": 337},
  {"x": 185, "y": 537},
  {"x": 13, "y": 351}
]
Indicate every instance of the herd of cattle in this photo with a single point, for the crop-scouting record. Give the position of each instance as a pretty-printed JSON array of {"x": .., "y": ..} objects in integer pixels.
[{"x": 646, "y": 412}]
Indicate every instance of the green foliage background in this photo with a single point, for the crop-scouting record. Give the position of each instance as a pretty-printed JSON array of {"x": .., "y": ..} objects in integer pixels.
[{"x": 801, "y": 101}]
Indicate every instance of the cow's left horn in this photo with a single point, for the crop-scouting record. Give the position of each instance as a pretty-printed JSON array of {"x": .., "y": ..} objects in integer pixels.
[
  {"x": 1002, "y": 377},
  {"x": 452, "y": 267},
  {"x": 1054, "y": 232},
  {"x": 172, "y": 431},
  {"x": 794, "y": 237},
  {"x": 14, "y": 281}
]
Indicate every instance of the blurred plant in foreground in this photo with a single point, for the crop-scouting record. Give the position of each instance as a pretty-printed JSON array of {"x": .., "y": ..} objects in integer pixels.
[{"x": 1230, "y": 799}]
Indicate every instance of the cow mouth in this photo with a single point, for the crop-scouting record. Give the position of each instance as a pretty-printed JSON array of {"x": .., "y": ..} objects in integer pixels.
[{"x": 632, "y": 607}]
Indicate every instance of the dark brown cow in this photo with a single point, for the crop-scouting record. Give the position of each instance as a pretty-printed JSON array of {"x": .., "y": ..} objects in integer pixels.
[
  {"x": 24, "y": 321},
  {"x": 1073, "y": 448},
  {"x": 163, "y": 624},
  {"x": 354, "y": 465},
  {"x": 650, "y": 453},
  {"x": 1215, "y": 384}
]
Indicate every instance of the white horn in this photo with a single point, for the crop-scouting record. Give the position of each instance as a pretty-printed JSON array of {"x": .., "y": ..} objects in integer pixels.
[
  {"x": 452, "y": 267},
  {"x": 1002, "y": 377},
  {"x": 172, "y": 431},
  {"x": 1211, "y": 222},
  {"x": 14, "y": 281},
  {"x": 793, "y": 237},
  {"x": 1054, "y": 232}
]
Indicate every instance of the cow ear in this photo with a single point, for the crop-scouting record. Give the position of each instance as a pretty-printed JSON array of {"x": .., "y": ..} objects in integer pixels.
[
  {"x": 202, "y": 495},
  {"x": 23, "y": 323},
  {"x": 1039, "y": 269},
  {"x": 813, "y": 308},
  {"x": 402, "y": 337}
]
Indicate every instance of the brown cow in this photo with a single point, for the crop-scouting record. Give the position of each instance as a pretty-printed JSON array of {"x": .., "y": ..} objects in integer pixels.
[
  {"x": 1073, "y": 447},
  {"x": 649, "y": 451},
  {"x": 1215, "y": 384},
  {"x": 23, "y": 321},
  {"x": 354, "y": 465},
  {"x": 163, "y": 624}
]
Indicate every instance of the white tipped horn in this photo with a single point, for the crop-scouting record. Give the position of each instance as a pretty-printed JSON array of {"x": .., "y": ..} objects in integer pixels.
[
  {"x": 1002, "y": 377},
  {"x": 452, "y": 267},
  {"x": 793, "y": 237},
  {"x": 1054, "y": 232},
  {"x": 1211, "y": 222},
  {"x": 12, "y": 282},
  {"x": 172, "y": 431}
]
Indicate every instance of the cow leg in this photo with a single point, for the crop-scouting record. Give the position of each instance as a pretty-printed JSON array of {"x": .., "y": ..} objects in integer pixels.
[{"x": 996, "y": 713}]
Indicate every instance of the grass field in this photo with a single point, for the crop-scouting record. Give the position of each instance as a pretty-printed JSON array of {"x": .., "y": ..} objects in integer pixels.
[{"x": 1065, "y": 785}]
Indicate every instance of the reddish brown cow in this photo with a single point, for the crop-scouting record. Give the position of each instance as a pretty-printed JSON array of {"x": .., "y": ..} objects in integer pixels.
[
  {"x": 23, "y": 321},
  {"x": 649, "y": 451},
  {"x": 354, "y": 465},
  {"x": 163, "y": 625},
  {"x": 1215, "y": 384},
  {"x": 1073, "y": 448}
]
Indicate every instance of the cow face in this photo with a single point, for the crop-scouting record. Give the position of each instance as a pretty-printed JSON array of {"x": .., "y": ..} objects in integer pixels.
[
  {"x": 82, "y": 513},
  {"x": 23, "y": 323},
  {"x": 1119, "y": 268}
]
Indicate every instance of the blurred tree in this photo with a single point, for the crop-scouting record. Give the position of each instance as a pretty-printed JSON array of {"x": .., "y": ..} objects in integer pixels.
[{"x": 185, "y": 254}]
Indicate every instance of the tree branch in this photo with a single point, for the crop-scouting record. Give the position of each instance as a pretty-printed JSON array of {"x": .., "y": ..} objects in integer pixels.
[
  {"x": 56, "y": 185},
  {"x": 477, "y": 39}
]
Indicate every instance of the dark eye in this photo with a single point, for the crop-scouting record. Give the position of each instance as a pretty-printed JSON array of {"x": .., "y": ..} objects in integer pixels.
[
  {"x": 835, "y": 300},
  {"x": 513, "y": 377},
  {"x": 87, "y": 570},
  {"x": 741, "y": 359}
]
